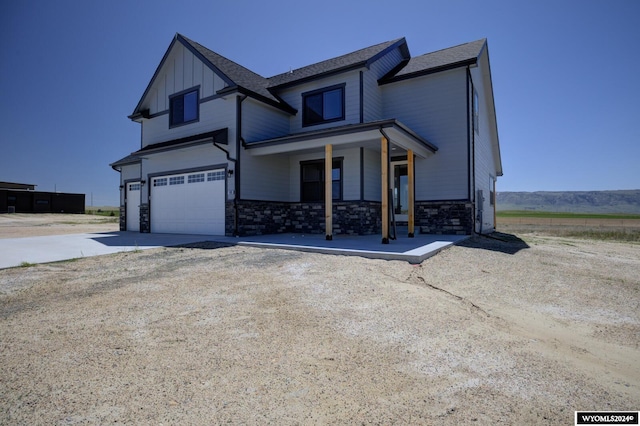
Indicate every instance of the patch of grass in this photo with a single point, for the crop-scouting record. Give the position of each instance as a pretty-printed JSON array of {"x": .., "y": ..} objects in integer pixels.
[
  {"x": 564, "y": 215},
  {"x": 27, "y": 264},
  {"x": 618, "y": 235},
  {"x": 111, "y": 212},
  {"x": 613, "y": 234}
]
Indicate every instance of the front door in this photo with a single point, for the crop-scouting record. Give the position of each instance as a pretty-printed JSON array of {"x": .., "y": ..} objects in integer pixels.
[{"x": 400, "y": 190}]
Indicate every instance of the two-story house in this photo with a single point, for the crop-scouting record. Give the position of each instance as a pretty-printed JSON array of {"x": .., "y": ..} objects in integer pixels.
[{"x": 350, "y": 145}]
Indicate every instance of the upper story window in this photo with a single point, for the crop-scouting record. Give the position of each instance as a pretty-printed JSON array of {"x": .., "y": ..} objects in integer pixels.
[
  {"x": 323, "y": 105},
  {"x": 184, "y": 107}
]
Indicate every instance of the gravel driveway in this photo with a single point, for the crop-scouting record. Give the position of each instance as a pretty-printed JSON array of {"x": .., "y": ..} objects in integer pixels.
[{"x": 485, "y": 332}]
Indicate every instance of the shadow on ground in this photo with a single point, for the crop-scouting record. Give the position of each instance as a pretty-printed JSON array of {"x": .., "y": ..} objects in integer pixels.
[
  {"x": 206, "y": 245},
  {"x": 497, "y": 241}
]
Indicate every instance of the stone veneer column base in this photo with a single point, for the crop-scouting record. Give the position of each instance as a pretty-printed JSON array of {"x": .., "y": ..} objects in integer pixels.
[
  {"x": 444, "y": 217},
  {"x": 272, "y": 217},
  {"x": 145, "y": 223},
  {"x": 123, "y": 218},
  {"x": 349, "y": 218}
]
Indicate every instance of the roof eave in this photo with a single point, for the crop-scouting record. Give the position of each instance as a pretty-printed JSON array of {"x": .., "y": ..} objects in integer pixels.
[
  {"x": 265, "y": 146},
  {"x": 229, "y": 90},
  {"x": 392, "y": 79}
]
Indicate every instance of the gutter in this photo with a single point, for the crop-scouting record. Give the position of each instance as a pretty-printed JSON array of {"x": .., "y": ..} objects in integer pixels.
[
  {"x": 236, "y": 162},
  {"x": 471, "y": 135},
  {"x": 235, "y": 197}
]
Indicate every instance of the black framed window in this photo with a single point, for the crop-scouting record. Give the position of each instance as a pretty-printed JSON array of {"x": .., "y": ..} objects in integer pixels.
[
  {"x": 323, "y": 106},
  {"x": 184, "y": 107},
  {"x": 312, "y": 180}
]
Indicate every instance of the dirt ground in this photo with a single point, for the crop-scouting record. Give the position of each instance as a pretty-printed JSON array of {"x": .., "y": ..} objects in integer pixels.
[
  {"x": 520, "y": 331},
  {"x": 18, "y": 225}
]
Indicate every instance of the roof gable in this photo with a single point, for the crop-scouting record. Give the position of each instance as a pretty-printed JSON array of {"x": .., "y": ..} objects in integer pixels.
[
  {"x": 232, "y": 77},
  {"x": 452, "y": 57}
]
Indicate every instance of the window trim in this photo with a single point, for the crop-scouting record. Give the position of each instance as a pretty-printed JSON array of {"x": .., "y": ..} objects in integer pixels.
[
  {"x": 182, "y": 95},
  {"x": 320, "y": 162},
  {"x": 306, "y": 95}
]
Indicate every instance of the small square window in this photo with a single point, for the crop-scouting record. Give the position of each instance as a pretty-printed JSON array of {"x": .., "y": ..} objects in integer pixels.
[
  {"x": 176, "y": 180},
  {"x": 183, "y": 108},
  {"x": 199, "y": 177},
  {"x": 323, "y": 106},
  {"x": 219, "y": 175}
]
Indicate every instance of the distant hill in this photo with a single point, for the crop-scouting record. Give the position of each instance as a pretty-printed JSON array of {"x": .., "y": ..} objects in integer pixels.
[{"x": 624, "y": 201}]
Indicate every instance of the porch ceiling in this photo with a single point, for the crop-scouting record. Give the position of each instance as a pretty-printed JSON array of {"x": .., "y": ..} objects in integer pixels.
[{"x": 367, "y": 135}]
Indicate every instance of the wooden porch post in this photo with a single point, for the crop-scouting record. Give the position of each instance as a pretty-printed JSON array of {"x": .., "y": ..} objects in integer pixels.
[
  {"x": 328, "y": 194},
  {"x": 384, "y": 165},
  {"x": 410, "y": 178}
]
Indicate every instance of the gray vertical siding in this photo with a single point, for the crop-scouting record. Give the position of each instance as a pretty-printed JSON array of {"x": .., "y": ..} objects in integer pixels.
[
  {"x": 264, "y": 177},
  {"x": 435, "y": 106},
  {"x": 372, "y": 175},
  {"x": 485, "y": 163},
  {"x": 372, "y": 97}
]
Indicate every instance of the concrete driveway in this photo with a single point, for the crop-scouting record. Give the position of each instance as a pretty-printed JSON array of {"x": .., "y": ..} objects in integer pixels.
[{"x": 14, "y": 251}]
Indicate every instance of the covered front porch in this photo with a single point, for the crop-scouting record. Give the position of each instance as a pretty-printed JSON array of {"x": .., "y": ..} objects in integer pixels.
[{"x": 375, "y": 190}]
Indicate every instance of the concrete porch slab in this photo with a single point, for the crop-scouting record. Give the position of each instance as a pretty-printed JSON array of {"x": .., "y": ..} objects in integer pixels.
[
  {"x": 412, "y": 250},
  {"x": 14, "y": 251}
]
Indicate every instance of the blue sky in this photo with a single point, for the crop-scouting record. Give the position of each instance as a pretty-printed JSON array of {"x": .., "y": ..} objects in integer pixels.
[{"x": 565, "y": 75}]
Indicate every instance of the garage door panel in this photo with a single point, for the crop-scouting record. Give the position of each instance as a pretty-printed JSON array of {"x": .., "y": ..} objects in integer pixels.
[{"x": 189, "y": 203}]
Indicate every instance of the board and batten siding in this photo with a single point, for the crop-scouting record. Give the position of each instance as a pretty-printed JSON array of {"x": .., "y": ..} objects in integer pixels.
[
  {"x": 372, "y": 93},
  {"x": 214, "y": 114},
  {"x": 293, "y": 96},
  {"x": 435, "y": 107},
  {"x": 372, "y": 173},
  {"x": 180, "y": 71},
  {"x": 264, "y": 178}
]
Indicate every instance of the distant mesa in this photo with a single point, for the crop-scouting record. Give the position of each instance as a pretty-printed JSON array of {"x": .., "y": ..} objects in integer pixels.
[{"x": 622, "y": 201}]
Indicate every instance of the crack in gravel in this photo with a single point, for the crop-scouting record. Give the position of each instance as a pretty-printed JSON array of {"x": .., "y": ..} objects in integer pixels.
[{"x": 418, "y": 279}]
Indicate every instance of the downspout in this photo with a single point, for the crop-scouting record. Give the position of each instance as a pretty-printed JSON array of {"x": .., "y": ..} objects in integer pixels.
[
  {"x": 239, "y": 140},
  {"x": 472, "y": 148},
  {"x": 236, "y": 162}
]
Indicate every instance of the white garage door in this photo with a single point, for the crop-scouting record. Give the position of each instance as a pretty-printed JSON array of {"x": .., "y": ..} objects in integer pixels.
[
  {"x": 190, "y": 203},
  {"x": 133, "y": 207}
]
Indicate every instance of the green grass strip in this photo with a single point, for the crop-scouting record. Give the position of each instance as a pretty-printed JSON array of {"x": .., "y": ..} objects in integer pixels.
[{"x": 565, "y": 215}]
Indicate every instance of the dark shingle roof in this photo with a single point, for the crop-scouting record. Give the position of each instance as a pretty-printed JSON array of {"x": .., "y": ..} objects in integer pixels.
[
  {"x": 429, "y": 62},
  {"x": 236, "y": 75},
  {"x": 362, "y": 57},
  {"x": 129, "y": 159},
  {"x": 248, "y": 82}
]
